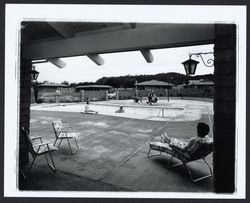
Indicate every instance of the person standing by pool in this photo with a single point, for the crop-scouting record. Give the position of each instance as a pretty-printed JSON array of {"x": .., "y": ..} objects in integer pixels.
[
  {"x": 150, "y": 95},
  {"x": 57, "y": 95}
]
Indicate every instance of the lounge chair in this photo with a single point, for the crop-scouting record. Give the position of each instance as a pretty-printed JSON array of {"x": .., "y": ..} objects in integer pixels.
[
  {"x": 42, "y": 148},
  {"x": 174, "y": 151},
  {"x": 64, "y": 133}
]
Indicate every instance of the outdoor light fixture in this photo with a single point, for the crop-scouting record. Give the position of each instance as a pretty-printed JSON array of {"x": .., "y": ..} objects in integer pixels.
[
  {"x": 190, "y": 65},
  {"x": 34, "y": 74}
]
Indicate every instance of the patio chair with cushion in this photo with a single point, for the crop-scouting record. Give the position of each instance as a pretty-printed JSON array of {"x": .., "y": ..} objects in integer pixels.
[
  {"x": 203, "y": 150},
  {"x": 64, "y": 133},
  {"x": 41, "y": 148}
]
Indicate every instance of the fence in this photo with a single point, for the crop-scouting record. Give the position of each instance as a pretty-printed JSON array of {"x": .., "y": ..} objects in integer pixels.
[
  {"x": 72, "y": 96},
  {"x": 94, "y": 95},
  {"x": 66, "y": 97}
]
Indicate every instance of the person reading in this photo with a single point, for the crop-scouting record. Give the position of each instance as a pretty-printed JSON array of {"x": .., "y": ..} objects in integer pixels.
[{"x": 193, "y": 143}]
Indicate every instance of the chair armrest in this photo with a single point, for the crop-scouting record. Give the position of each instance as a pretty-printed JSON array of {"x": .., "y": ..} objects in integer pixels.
[
  {"x": 178, "y": 150},
  {"x": 66, "y": 128},
  {"x": 42, "y": 144},
  {"x": 64, "y": 131},
  {"x": 35, "y": 138}
]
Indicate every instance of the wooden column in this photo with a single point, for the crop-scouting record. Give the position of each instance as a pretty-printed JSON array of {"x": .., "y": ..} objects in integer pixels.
[
  {"x": 25, "y": 100},
  {"x": 224, "y": 108}
]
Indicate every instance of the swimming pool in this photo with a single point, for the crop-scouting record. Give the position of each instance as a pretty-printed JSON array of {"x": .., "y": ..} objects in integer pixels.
[{"x": 164, "y": 110}]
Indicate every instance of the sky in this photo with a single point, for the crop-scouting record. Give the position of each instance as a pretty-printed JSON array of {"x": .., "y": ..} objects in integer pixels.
[{"x": 82, "y": 69}]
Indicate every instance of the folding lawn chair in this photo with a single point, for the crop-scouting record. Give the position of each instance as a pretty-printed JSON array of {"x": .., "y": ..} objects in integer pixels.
[
  {"x": 202, "y": 152},
  {"x": 62, "y": 133},
  {"x": 42, "y": 148}
]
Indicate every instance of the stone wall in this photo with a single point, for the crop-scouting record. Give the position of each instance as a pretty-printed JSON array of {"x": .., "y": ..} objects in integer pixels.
[
  {"x": 126, "y": 94},
  {"x": 66, "y": 96}
]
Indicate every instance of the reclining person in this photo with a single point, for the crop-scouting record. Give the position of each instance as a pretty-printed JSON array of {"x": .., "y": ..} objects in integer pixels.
[{"x": 193, "y": 143}]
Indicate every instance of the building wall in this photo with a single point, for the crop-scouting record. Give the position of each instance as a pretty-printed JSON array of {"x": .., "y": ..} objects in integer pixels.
[
  {"x": 224, "y": 108},
  {"x": 188, "y": 92},
  {"x": 52, "y": 89},
  {"x": 126, "y": 94}
]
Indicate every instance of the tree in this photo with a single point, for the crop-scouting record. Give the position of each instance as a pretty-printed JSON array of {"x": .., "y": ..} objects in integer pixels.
[{"x": 65, "y": 82}]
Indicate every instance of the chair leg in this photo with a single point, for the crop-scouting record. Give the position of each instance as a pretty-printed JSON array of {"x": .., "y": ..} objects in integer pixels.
[
  {"x": 55, "y": 142},
  {"x": 23, "y": 174},
  {"x": 53, "y": 167},
  {"x": 170, "y": 161},
  {"x": 76, "y": 143},
  {"x": 211, "y": 173},
  {"x": 29, "y": 169},
  {"x": 46, "y": 158},
  {"x": 189, "y": 172},
  {"x": 59, "y": 143},
  {"x": 201, "y": 178},
  {"x": 148, "y": 152},
  {"x": 149, "y": 156},
  {"x": 76, "y": 146},
  {"x": 70, "y": 146}
]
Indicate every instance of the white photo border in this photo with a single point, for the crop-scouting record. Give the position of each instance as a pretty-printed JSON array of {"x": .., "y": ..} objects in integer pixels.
[{"x": 15, "y": 13}]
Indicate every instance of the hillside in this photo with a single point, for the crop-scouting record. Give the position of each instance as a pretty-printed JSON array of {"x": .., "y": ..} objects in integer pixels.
[{"x": 129, "y": 80}]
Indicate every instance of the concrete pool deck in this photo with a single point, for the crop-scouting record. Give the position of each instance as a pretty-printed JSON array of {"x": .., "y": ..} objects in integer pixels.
[{"x": 113, "y": 155}]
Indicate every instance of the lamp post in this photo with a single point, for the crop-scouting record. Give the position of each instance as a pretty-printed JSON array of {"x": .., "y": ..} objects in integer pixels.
[
  {"x": 190, "y": 65},
  {"x": 169, "y": 87},
  {"x": 136, "y": 92},
  {"x": 34, "y": 75}
]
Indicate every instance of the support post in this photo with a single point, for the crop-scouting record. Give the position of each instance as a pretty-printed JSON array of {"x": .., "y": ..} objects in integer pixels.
[
  {"x": 225, "y": 109},
  {"x": 82, "y": 97}
]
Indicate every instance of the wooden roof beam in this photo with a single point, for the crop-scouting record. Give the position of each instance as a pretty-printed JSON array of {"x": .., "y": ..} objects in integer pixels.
[
  {"x": 147, "y": 54},
  {"x": 154, "y": 37},
  {"x": 96, "y": 58},
  {"x": 63, "y": 29},
  {"x": 57, "y": 62}
]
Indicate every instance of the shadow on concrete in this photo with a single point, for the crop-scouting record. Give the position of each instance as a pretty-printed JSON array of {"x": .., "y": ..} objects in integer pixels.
[{"x": 112, "y": 156}]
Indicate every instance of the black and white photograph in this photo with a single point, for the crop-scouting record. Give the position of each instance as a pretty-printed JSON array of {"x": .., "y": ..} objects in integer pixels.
[{"x": 125, "y": 101}]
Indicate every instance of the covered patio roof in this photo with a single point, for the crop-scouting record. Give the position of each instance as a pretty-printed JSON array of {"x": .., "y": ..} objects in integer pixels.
[{"x": 45, "y": 40}]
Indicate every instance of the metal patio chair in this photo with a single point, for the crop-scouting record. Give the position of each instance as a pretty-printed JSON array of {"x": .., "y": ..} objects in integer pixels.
[
  {"x": 202, "y": 152},
  {"x": 64, "y": 133},
  {"x": 42, "y": 148}
]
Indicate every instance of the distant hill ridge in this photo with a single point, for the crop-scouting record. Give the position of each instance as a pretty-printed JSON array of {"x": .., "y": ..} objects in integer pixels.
[{"x": 129, "y": 80}]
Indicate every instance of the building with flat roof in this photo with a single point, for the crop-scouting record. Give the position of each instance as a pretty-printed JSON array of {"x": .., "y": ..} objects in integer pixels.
[
  {"x": 52, "y": 87},
  {"x": 154, "y": 84},
  {"x": 93, "y": 87},
  {"x": 199, "y": 84}
]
